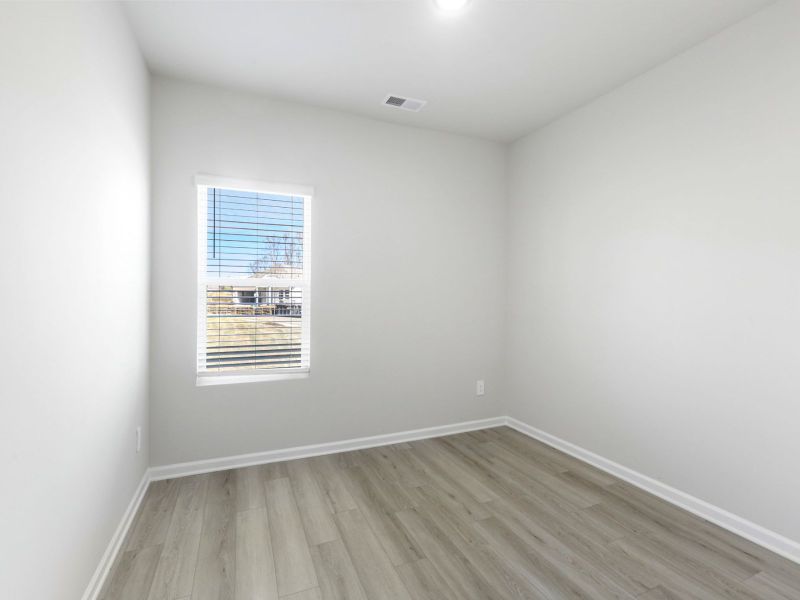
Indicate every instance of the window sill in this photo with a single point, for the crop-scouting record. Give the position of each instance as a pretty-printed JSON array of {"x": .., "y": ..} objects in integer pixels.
[{"x": 204, "y": 380}]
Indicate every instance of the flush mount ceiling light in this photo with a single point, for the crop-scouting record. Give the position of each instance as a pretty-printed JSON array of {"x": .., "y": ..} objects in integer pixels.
[{"x": 450, "y": 5}]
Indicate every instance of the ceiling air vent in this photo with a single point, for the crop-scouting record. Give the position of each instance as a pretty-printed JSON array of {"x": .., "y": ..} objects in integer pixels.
[{"x": 405, "y": 103}]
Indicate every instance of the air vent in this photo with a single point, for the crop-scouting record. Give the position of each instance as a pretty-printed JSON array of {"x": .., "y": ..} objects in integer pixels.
[
  {"x": 395, "y": 101},
  {"x": 411, "y": 104}
]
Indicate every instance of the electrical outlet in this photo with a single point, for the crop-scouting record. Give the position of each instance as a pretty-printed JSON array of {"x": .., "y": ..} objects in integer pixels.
[
  {"x": 479, "y": 391},
  {"x": 139, "y": 439}
]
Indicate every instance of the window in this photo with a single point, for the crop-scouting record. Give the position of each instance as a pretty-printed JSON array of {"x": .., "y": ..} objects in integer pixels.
[{"x": 253, "y": 281}]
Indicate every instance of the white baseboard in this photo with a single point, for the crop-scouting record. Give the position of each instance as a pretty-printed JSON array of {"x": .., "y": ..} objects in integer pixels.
[
  {"x": 98, "y": 579},
  {"x": 260, "y": 458},
  {"x": 747, "y": 529}
]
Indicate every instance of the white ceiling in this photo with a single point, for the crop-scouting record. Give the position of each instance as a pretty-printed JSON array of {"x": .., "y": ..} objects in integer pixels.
[{"x": 498, "y": 70}]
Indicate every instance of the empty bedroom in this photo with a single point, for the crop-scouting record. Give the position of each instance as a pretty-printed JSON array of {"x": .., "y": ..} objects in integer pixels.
[{"x": 400, "y": 300}]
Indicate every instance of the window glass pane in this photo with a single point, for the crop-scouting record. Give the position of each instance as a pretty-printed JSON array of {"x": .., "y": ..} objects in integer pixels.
[
  {"x": 253, "y": 328},
  {"x": 254, "y": 235}
]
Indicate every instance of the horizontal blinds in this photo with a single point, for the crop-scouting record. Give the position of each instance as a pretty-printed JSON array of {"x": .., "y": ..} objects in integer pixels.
[{"x": 253, "y": 292}]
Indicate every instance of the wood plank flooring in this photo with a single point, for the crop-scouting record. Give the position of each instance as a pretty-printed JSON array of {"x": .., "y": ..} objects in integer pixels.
[{"x": 489, "y": 514}]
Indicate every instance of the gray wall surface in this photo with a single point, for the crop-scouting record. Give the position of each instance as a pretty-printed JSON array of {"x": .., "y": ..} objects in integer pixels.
[
  {"x": 407, "y": 274},
  {"x": 74, "y": 173},
  {"x": 654, "y": 298}
]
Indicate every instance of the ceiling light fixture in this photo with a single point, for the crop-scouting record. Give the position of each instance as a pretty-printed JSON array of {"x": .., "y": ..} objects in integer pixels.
[{"x": 450, "y": 5}]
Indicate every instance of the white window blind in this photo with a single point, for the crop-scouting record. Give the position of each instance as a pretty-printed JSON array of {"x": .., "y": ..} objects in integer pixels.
[{"x": 253, "y": 279}]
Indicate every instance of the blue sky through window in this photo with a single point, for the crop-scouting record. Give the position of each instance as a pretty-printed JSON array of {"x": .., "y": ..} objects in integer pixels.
[{"x": 251, "y": 234}]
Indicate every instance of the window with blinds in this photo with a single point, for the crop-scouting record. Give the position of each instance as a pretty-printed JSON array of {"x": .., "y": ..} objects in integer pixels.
[{"x": 253, "y": 279}]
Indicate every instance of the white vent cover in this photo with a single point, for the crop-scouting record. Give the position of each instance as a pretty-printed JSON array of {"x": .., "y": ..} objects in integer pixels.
[{"x": 411, "y": 104}]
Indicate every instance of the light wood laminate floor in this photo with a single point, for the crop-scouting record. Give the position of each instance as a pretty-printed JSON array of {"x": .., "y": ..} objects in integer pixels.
[{"x": 487, "y": 514}]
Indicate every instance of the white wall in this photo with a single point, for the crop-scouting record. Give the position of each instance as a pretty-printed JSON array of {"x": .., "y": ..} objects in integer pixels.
[
  {"x": 654, "y": 253},
  {"x": 73, "y": 289},
  {"x": 400, "y": 216}
]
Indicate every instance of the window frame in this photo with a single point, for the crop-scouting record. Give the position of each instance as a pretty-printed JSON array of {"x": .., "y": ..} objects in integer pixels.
[{"x": 202, "y": 183}]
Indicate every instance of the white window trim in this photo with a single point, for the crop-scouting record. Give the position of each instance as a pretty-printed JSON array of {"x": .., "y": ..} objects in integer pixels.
[{"x": 202, "y": 183}]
